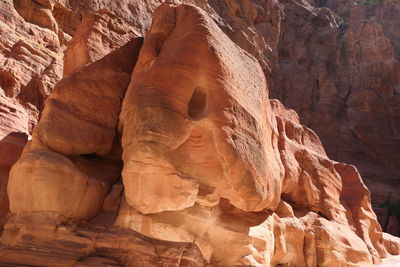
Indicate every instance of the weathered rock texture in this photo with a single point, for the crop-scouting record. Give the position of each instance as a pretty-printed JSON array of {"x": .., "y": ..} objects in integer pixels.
[
  {"x": 195, "y": 121},
  {"x": 74, "y": 147},
  {"x": 28, "y": 69},
  {"x": 349, "y": 51},
  {"x": 350, "y": 93},
  {"x": 98, "y": 34},
  {"x": 212, "y": 167},
  {"x": 56, "y": 244},
  {"x": 34, "y": 36}
]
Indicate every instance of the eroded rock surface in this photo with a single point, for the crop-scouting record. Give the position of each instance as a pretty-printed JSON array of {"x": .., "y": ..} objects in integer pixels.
[
  {"x": 348, "y": 49},
  {"x": 30, "y": 65},
  {"x": 98, "y": 34},
  {"x": 213, "y": 168},
  {"x": 74, "y": 147},
  {"x": 350, "y": 95},
  {"x": 207, "y": 131},
  {"x": 210, "y": 163},
  {"x": 46, "y": 239}
]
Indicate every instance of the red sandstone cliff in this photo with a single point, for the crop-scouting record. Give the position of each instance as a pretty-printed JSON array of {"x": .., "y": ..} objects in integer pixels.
[
  {"x": 350, "y": 95},
  {"x": 215, "y": 167}
]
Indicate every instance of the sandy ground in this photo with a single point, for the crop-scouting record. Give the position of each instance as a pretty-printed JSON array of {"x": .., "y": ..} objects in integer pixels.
[{"x": 390, "y": 262}]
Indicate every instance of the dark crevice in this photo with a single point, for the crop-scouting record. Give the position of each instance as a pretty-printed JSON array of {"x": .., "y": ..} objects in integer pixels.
[{"x": 197, "y": 105}]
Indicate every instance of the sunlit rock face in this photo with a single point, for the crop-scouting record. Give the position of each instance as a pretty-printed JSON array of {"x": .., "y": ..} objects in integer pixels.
[
  {"x": 30, "y": 65},
  {"x": 342, "y": 56},
  {"x": 196, "y": 122},
  {"x": 73, "y": 159},
  {"x": 97, "y": 35},
  {"x": 171, "y": 153},
  {"x": 185, "y": 105}
]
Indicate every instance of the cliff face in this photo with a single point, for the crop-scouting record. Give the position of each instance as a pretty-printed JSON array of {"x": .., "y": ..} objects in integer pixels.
[
  {"x": 209, "y": 165},
  {"x": 350, "y": 95}
]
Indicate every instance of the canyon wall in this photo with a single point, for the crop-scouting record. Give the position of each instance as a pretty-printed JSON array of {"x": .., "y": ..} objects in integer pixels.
[
  {"x": 209, "y": 164},
  {"x": 350, "y": 94}
]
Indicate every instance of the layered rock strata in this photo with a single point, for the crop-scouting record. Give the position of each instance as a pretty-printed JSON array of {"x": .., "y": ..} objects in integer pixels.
[
  {"x": 46, "y": 239},
  {"x": 342, "y": 57},
  {"x": 350, "y": 94},
  {"x": 73, "y": 158},
  {"x": 209, "y": 163}
]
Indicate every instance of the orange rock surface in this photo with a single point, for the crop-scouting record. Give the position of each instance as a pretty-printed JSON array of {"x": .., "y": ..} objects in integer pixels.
[
  {"x": 195, "y": 121},
  {"x": 30, "y": 65},
  {"x": 98, "y": 34},
  {"x": 75, "y": 186},
  {"x": 168, "y": 151}
]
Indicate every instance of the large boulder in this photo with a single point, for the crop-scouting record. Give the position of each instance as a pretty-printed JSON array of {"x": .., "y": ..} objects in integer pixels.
[
  {"x": 197, "y": 108},
  {"x": 196, "y": 120},
  {"x": 73, "y": 159}
]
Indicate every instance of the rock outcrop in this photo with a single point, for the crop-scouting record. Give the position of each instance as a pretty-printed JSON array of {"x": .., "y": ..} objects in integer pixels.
[
  {"x": 350, "y": 95},
  {"x": 98, "y": 34},
  {"x": 45, "y": 239},
  {"x": 13, "y": 137},
  {"x": 195, "y": 121},
  {"x": 30, "y": 65},
  {"x": 348, "y": 49},
  {"x": 73, "y": 158},
  {"x": 211, "y": 167},
  {"x": 34, "y": 35}
]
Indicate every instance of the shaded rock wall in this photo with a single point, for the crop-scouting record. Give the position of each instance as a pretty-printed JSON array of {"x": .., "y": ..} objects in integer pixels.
[{"x": 350, "y": 93}]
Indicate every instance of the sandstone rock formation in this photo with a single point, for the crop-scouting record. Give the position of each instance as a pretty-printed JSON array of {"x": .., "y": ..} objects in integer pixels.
[
  {"x": 57, "y": 243},
  {"x": 13, "y": 136},
  {"x": 350, "y": 95},
  {"x": 75, "y": 186},
  {"x": 98, "y": 34},
  {"x": 34, "y": 37},
  {"x": 348, "y": 49},
  {"x": 212, "y": 167},
  {"x": 30, "y": 65},
  {"x": 189, "y": 130}
]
